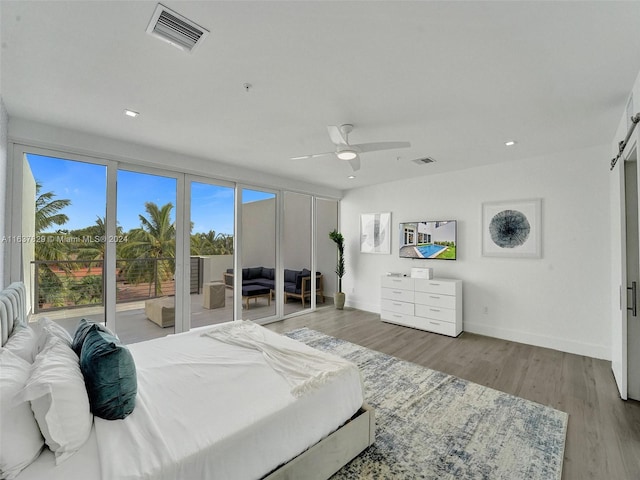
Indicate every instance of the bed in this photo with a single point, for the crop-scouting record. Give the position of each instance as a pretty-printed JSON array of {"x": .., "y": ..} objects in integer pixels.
[{"x": 231, "y": 401}]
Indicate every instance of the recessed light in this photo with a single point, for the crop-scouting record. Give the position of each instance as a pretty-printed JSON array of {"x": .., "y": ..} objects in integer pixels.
[
  {"x": 131, "y": 113},
  {"x": 510, "y": 143},
  {"x": 351, "y": 177},
  {"x": 347, "y": 154}
]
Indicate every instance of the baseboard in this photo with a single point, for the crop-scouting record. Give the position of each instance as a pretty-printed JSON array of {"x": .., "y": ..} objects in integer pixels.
[
  {"x": 561, "y": 344},
  {"x": 554, "y": 343}
]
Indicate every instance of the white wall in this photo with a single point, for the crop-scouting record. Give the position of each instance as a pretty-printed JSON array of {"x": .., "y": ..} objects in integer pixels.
[
  {"x": 4, "y": 122},
  {"x": 560, "y": 301}
]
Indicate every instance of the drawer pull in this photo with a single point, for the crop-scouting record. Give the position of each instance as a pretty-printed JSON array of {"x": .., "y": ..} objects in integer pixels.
[
  {"x": 397, "y": 281},
  {"x": 434, "y": 284},
  {"x": 434, "y": 309},
  {"x": 434, "y": 323},
  {"x": 397, "y": 316},
  {"x": 399, "y": 292},
  {"x": 434, "y": 296},
  {"x": 397, "y": 304}
]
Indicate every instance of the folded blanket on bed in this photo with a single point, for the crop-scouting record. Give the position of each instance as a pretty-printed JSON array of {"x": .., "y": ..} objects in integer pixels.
[{"x": 304, "y": 371}]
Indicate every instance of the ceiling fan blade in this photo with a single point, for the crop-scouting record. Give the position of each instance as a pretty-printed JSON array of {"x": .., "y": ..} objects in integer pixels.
[
  {"x": 336, "y": 135},
  {"x": 355, "y": 163},
  {"x": 313, "y": 155},
  {"x": 374, "y": 147}
]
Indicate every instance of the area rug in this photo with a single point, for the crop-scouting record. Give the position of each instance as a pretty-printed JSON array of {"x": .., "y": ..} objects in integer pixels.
[{"x": 431, "y": 425}]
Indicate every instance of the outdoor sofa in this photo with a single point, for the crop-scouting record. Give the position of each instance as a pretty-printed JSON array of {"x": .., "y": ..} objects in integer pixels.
[{"x": 297, "y": 283}]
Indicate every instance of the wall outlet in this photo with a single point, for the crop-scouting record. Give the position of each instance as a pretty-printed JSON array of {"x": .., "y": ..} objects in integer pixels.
[{"x": 485, "y": 310}]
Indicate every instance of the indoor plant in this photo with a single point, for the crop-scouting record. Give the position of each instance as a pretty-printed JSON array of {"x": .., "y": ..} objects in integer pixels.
[{"x": 338, "y": 298}]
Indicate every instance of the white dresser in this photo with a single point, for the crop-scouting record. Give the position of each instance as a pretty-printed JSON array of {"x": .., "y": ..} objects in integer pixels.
[{"x": 428, "y": 304}]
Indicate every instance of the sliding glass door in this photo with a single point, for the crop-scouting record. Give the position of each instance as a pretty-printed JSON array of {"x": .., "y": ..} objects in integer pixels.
[
  {"x": 211, "y": 252},
  {"x": 63, "y": 238},
  {"x": 257, "y": 284},
  {"x": 145, "y": 246},
  {"x": 151, "y": 252},
  {"x": 296, "y": 253}
]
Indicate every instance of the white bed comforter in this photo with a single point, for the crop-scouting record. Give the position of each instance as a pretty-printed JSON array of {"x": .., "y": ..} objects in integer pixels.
[{"x": 232, "y": 403}]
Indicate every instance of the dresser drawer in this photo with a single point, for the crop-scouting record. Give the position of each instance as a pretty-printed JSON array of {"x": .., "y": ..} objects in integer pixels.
[
  {"x": 397, "y": 307},
  {"x": 435, "y": 313},
  {"x": 435, "y": 300},
  {"x": 435, "y": 286},
  {"x": 436, "y": 326},
  {"x": 398, "y": 294},
  {"x": 399, "y": 318},
  {"x": 403, "y": 283}
]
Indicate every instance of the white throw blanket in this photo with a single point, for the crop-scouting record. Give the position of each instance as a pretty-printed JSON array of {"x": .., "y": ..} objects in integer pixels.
[{"x": 305, "y": 372}]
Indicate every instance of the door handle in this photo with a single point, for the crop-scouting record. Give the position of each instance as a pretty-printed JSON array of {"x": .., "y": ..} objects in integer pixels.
[{"x": 634, "y": 301}]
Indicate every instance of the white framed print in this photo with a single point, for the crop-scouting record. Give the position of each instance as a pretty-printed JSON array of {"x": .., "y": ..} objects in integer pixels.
[
  {"x": 512, "y": 229},
  {"x": 375, "y": 233}
]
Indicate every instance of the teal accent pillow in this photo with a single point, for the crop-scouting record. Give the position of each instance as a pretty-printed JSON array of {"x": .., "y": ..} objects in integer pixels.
[
  {"x": 109, "y": 375},
  {"x": 81, "y": 332}
]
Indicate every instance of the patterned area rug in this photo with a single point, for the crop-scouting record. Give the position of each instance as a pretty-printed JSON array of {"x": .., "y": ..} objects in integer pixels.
[{"x": 431, "y": 425}]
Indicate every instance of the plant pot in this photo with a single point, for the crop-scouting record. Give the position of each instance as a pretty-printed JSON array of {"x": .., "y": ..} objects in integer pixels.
[{"x": 338, "y": 300}]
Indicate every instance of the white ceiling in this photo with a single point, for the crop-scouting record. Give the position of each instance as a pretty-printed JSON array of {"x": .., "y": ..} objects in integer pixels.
[{"x": 456, "y": 79}]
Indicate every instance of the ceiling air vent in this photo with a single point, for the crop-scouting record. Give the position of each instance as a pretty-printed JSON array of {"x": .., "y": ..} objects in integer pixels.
[
  {"x": 175, "y": 29},
  {"x": 423, "y": 161}
]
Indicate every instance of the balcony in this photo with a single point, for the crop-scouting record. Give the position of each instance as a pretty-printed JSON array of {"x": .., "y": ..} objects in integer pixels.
[{"x": 73, "y": 289}]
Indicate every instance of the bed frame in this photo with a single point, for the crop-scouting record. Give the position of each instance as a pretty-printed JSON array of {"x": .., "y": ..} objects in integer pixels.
[
  {"x": 318, "y": 462},
  {"x": 332, "y": 453}
]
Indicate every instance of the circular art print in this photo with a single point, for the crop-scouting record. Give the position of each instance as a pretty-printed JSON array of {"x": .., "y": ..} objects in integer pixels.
[
  {"x": 509, "y": 229},
  {"x": 512, "y": 229}
]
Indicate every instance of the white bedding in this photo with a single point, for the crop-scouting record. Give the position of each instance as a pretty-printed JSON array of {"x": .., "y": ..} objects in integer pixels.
[{"x": 210, "y": 409}]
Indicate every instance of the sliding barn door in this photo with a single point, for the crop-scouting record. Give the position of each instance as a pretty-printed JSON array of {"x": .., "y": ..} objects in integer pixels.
[
  {"x": 625, "y": 349},
  {"x": 619, "y": 279}
]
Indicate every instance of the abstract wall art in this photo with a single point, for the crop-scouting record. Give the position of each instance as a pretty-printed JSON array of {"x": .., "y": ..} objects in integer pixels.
[
  {"x": 512, "y": 229},
  {"x": 375, "y": 233}
]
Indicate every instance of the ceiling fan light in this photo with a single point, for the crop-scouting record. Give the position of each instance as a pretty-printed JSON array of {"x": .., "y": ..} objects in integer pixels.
[{"x": 347, "y": 155}]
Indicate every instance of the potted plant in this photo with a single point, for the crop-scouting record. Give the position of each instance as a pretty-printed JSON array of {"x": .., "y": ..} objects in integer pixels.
[{"x": 339, "y": 297}]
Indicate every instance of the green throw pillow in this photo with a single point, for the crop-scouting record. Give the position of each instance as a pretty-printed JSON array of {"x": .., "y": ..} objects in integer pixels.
[
  {"x": 109, "y": 375},
  {"x": 81, "y": 332}
]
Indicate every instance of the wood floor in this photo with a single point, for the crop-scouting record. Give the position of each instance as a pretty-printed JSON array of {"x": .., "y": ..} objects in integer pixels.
[{"x": 603, "y": 436}]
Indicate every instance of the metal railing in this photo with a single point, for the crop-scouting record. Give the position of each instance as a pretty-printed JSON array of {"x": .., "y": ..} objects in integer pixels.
[{"x": 67, "y": 284}]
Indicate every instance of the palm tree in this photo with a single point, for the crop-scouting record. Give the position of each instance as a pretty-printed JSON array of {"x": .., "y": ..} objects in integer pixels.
[
  {"x": 48, "y": 209},
  {"x": 211, "y": 243},
  {"x": 155, "y": 239},
  {"x": 49, "y": 247}
]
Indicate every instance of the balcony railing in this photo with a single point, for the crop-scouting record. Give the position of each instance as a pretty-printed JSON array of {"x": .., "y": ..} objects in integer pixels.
[{"x": 66, "y": 284}]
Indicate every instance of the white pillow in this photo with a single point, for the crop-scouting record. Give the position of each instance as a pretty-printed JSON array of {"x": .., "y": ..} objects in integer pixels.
[
  {"x": 59, "y": 399},
  {"x": 46, "y": 328},
  {"x": 24, "y": 343},
  {"x": 20, "y": 438}
]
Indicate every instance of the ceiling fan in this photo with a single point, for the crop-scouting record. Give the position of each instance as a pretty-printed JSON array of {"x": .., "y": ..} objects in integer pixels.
[{"x": 351, "y": 153}]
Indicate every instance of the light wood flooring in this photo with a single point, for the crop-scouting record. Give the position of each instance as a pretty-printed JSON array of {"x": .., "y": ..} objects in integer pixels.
[{"x": 603, "y": 435}]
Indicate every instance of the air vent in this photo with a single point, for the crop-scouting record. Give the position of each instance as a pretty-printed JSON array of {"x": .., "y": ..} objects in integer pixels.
[
  {"x": 175, "y": 29},
  {"x": 423, "y": 161}
]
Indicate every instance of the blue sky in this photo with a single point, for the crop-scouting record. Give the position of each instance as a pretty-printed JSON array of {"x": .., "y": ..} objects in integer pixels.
[{"x": 85, "y": 185}]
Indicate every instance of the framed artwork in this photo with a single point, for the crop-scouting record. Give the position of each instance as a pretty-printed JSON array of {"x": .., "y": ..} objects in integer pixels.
[
  {"x": 512, "y": 229},
  {"x": 375, "y": 233}
]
